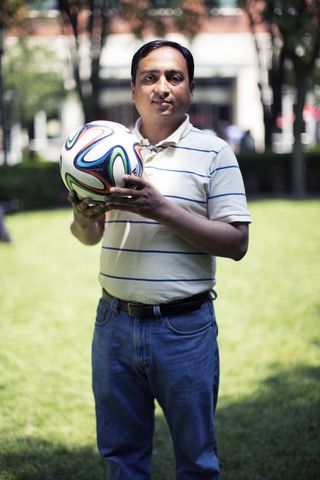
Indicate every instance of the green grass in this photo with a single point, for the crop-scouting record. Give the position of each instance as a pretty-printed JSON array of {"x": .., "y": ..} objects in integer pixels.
[{"x": 268, "y": 310}]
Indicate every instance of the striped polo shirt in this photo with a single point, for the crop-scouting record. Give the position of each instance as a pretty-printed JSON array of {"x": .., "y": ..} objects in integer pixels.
[{"x": 142, "y": 260}]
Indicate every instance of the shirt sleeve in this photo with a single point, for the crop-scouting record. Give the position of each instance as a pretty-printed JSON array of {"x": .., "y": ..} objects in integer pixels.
[{"x": 227, "y": 197}]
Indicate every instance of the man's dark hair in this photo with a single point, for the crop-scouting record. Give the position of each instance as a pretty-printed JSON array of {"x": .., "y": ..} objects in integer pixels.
[{"x": 153, "y": 45}]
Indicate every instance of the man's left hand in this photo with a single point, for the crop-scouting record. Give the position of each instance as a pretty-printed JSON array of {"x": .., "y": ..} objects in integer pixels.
[{"x": 142, "y": 198}]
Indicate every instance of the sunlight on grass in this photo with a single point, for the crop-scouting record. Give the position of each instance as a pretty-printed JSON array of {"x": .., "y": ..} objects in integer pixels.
[
  {"x": 271, "y": 300},
  {"x": 268, "y": 310}
]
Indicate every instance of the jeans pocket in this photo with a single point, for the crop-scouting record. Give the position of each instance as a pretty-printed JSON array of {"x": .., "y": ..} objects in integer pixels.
[
  {"x": 191, "y": 323},
  {"x": 104, "y": 313}
]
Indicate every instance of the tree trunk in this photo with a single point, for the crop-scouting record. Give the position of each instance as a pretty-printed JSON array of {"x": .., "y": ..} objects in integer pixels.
[
  {"x": 298, "y": 157},
  {"x": 267, "y": 121}
]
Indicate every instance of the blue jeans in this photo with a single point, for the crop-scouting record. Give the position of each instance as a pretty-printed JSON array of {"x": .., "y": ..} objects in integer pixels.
[{"x": 172, "y": 359}]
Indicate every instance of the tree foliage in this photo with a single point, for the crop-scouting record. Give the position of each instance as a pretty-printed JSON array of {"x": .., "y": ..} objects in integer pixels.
[
  {"x": 294, "y": 28},
  {"x": 12, "y": 13},
  {"x": 32, "y": 82}
]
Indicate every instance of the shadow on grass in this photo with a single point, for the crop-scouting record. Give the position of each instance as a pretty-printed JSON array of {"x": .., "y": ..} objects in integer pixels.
[
  {"x": 273, "y": 435},
  {"x": 36, "y": 459}
]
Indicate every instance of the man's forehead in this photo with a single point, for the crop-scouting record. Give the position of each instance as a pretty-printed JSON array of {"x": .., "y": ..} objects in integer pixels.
[{"x": 163, "y": 58}]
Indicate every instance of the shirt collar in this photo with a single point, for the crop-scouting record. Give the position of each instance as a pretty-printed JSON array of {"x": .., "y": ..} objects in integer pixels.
[{"x": 173, "y": 139}]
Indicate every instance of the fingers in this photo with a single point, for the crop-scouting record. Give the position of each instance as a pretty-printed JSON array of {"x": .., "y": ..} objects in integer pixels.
[
  {"x": 85, "y": 207},
  {"x": 132, "y": 186},
  {"x": 119, "y": 198},
  {"x": 90, "y": 210},
  {"x": 143, "y": 199},
  {"x": 85, "y": 204},
  {"x": 134, "y": 182},
  {"x": 73, "y": 198}
]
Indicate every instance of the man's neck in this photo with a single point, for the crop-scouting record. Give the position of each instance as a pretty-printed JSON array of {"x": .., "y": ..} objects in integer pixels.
[{"x": 155, "y": 133}]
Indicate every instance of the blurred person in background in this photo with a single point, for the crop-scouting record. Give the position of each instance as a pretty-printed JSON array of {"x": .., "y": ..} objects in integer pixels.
[
  {"x": 247, "y": 143},
  {"x": 4, "y": 233},
  {"x": 233, "y": 136}
]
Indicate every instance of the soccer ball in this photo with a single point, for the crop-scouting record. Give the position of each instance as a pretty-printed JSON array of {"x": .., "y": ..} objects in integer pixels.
[{"x": 96, "y": 156}]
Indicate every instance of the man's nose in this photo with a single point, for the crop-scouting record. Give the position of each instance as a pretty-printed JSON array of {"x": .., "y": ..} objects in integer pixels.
[{"x": 162, "y": 85}]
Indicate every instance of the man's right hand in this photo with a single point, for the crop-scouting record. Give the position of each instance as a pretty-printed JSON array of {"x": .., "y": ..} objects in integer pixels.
[
  {"x": 85, "y": 211},
  {"x": 89, "y": 218}
]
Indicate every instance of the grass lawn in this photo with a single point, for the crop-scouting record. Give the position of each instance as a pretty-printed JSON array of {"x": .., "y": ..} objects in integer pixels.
[{"x": 268, "y": 311}]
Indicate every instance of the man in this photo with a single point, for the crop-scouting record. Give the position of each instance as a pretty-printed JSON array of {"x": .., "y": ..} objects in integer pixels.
[
  {"x": 247, "y": 143},
  {"x": 155, "y": 332},
  {"x": 4, "y": 234}
]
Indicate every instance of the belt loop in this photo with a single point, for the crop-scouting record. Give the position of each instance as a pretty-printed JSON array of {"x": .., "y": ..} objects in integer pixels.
[
  {"x": 114, "y": 306},
  {"x": 156, "y": 311},
  {"x": 213, "y": 294}
]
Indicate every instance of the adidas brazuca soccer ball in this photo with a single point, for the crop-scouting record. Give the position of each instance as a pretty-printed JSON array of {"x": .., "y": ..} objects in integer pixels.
[{"x": 96, "y": 157}]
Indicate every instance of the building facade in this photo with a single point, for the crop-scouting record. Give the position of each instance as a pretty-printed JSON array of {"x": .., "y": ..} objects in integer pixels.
[{"x": 227, "y": 73}]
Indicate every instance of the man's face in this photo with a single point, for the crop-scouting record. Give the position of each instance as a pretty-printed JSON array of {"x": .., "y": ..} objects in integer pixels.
[{"x": 162, "y": 91}]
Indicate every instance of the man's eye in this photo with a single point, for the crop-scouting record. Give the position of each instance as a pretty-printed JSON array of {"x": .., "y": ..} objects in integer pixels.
[
  {"x": 148, "y": 78},
  {"x": 176, "y": 78}
]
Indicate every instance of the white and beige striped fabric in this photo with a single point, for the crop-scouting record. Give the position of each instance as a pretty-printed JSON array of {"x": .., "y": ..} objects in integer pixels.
[{"x": 141, "y": 260}]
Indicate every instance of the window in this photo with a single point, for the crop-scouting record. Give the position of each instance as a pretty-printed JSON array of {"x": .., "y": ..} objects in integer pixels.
[
  {"x": 222, "y": 7},
  {"x": 227, "y": 3}
]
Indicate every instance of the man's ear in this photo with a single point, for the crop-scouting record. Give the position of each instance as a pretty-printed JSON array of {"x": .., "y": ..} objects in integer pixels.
[
  {"x": 133, "y": 87},
  {"x": 192, "y": 87}
]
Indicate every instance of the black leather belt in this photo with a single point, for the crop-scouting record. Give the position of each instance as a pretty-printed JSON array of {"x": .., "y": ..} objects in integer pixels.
[{"x": 149, "y": 311}]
